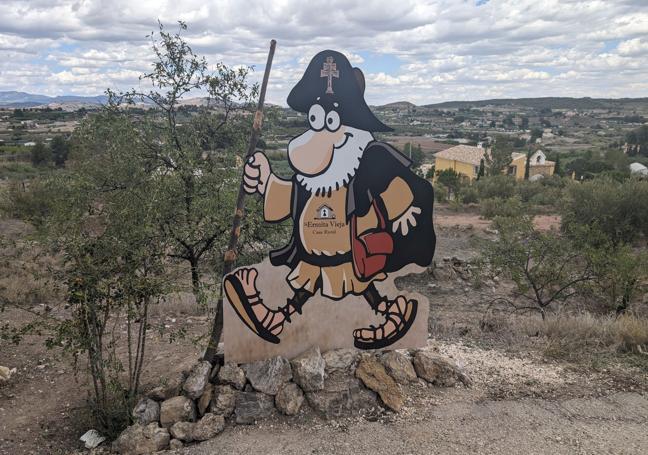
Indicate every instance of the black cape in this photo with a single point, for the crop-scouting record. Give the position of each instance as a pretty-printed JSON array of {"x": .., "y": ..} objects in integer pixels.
[{"x": 379, "y": 165}]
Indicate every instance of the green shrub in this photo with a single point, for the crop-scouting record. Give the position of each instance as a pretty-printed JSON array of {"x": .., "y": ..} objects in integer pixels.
[
  {"x": 17, "y": 171},
  {"x": 31, "y": 202},
  {"x": 469, "y": 195},
  {"x": 618, "y": 209},
  {"x": 440, "y": 193},
  {"x": 501, "y": 186},
  {"x": 539, "y": 193},
  {"x": 509, "y": 208}
]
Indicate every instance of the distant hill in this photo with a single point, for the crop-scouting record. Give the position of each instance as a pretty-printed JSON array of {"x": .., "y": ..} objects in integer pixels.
[
  {"x": 546, "y": 102},
  {"x": 22, "y": 99},
  {"x": 398, "y": 105},
  {"x": 14, "y": 99}
]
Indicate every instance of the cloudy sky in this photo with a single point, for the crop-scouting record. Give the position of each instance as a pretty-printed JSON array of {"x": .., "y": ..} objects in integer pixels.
[{"x": 421, "y": 51}]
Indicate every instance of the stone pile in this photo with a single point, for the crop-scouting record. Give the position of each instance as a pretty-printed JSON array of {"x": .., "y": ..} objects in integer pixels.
[
  {"x": 458, "y": 267},
  {"x": 197, "y": 405}
]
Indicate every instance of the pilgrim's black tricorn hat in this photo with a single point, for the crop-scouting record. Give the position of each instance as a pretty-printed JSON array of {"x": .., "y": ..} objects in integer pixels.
[{"x": 328, "y": 79}]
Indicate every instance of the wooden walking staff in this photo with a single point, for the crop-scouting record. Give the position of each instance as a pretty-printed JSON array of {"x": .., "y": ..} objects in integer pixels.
[{"x": 230, "y": 254}]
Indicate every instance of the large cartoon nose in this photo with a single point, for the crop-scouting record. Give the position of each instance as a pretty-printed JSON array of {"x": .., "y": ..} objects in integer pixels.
[{"x": 311, "y": 153}]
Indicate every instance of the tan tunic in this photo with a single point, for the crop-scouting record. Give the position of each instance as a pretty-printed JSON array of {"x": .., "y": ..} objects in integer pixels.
[{"x": 323, "y": 230}]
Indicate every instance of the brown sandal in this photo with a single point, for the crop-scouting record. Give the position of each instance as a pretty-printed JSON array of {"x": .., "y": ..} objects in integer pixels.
[
  {"x": 397, "y": 318},
  {"x": 243, "y": 305}
]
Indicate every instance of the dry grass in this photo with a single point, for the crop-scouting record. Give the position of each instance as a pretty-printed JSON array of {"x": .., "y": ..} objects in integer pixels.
[
  {"x": 25, "y": 271},
  {"x": 178, "y": 303},
  {"x": 571, "y": 335}
]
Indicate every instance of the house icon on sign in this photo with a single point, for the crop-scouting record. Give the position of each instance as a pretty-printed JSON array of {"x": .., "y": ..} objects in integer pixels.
[{"x": 324, "y": 212}]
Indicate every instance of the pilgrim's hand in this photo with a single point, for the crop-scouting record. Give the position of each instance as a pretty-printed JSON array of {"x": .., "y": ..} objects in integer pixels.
[
  {"x": 406, "y": 220},
  {"x": 256, "y": 174}
]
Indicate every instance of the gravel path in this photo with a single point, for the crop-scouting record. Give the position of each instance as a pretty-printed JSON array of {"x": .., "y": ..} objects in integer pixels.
[{"x": 612, "y": 424}]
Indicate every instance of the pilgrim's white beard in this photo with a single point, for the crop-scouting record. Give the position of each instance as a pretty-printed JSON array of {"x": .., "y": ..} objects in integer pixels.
[{"x": 343, "y": 166}]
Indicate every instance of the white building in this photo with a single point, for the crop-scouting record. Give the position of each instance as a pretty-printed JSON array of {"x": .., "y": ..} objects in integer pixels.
[{"x": 638, "y": 169}]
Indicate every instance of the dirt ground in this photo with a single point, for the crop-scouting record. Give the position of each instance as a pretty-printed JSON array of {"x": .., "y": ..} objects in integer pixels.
[
  {"x": 521, "y": 401},
  {"x": 455, "y": 423}
]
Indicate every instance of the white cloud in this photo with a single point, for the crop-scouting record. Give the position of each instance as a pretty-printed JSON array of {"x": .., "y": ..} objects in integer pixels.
[
  {"x": 424, "y": 51},
  {"x": 634, "y": 47}
]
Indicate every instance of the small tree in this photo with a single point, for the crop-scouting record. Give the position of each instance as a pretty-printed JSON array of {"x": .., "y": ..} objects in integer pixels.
[
  {"x": 196, "y": 157},
  {"x": 482, "y": 169},
  {"x": 545, "y": 267},
  {"x": 527, "y": 165},
  {"x": 41, "y": 155},
  {"x": 620, "y": 273},
  {"x": 557, "y": 167},
  {"x": 417, "y": 156},
  {"x": 60, "y": 149},
  {"x": 536, "y": 133},
  {"x": 499, "y": 157},
  {"x": 450, "y": 179}
]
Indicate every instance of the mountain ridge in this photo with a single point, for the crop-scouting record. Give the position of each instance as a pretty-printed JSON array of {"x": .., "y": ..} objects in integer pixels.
[{"x": 17, "y": 99}]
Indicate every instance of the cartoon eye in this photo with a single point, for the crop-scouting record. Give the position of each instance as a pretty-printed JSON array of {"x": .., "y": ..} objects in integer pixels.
[
  {"x": 316, "y": 116},
  {"x": 332, "y": 121}
]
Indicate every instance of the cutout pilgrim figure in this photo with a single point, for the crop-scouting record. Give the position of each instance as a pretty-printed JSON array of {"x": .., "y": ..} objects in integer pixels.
[{"x": 358, "y": 211}]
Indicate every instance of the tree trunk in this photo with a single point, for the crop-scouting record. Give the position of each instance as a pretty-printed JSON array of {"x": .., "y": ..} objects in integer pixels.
[
  {"x": 230, "y": 255},
  {"x": 195, "y": 279}
]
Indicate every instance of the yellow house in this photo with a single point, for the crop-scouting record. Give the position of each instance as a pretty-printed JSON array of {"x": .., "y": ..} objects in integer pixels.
[{"x": 465, "y": 160}]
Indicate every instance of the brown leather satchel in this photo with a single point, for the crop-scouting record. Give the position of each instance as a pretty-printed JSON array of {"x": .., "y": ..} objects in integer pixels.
[{"x": 371, "y": 249}]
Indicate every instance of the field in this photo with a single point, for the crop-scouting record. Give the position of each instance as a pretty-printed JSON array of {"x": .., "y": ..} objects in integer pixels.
[{"x": 428, "y": 145}]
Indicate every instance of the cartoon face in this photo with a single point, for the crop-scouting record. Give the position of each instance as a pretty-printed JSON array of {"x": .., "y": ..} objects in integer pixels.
[{"x": 312, "y": 152}]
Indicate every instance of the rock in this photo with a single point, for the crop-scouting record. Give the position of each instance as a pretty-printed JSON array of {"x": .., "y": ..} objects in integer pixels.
[
  {"x": 197, "y": 380},
  {"x": 289, "y": 399},
  {"x": 399, "y": 367},
  {"x": 224, "y": 402},
  {"x": 139, "y": 439},
  {"x": 171, "y": 388},
  {"x": 342, "y": 395},
  {"x": 6, "y": 373},
  {"x": 177, "y": 409},
  {"x": 146, "y": 411},
  {"x": 340, "y": 360},
  {"x": 208, "y": 427},
  {"x": 205, "y": 399},
  {"x": 213, "y": 376},
  {"x": 439, "y": 371},
  {"x": 252, "y": 406},
  {"x": 308, "y": 370},
  {"x": 92, "y": 439},
  {"x": 175, "y": 444},
  {"x": 269, "y": 375},
  {"x": 231, "y": 374},
  {"x": 373, "y": 374},
  {"x": 182, "y": 431}
]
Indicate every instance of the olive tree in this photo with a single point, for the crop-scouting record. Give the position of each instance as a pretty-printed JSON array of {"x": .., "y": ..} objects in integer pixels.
[
  {"x": 546, "y": 268},
  {"x": 195, "y": 155}
]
